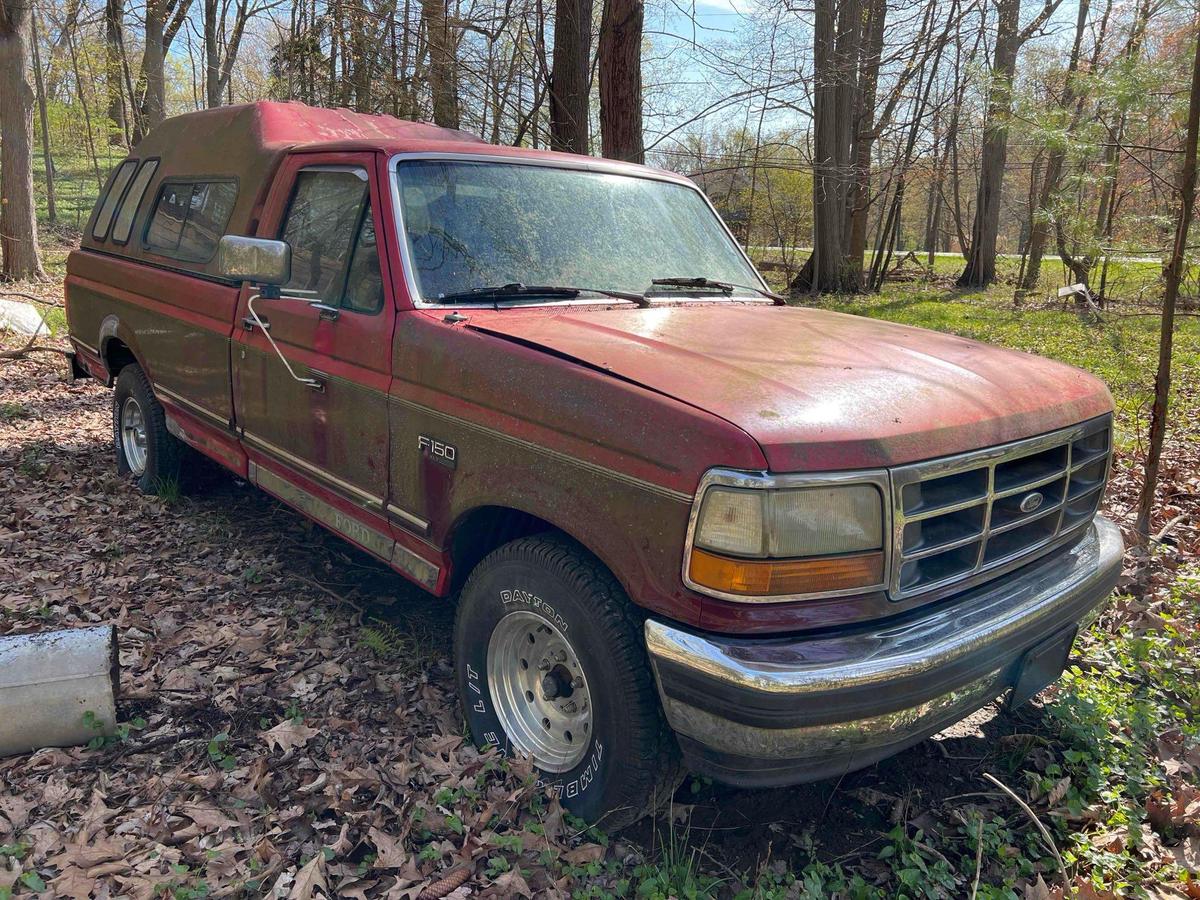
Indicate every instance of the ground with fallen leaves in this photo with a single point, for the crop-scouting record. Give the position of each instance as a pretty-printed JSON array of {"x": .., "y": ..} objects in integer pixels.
[{"x": 290, "y": 727}]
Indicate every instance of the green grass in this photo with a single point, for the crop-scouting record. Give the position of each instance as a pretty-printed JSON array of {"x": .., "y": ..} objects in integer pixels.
[
  {"x": 1129, "y": 280},
  {"x": 76, "y": 187}
]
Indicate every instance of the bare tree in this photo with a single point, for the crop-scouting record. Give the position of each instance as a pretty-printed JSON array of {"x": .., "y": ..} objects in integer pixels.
[
  {"x": 836, "y": 41},
  {"x": 442, "y": 75},
  {"x": 570, "y": 79},
  {"x": 621, "y": 80},
  {"x": 1174, "y": 275},
  {"x": 43, "y": 120},
  {"x": 221, "y": 44},
  {"x": 1010, "y": 37},
  {"x": 18, "y": 213},
  {"x": 163, "y": 21},
  {"x": 1039, "y": 221}
]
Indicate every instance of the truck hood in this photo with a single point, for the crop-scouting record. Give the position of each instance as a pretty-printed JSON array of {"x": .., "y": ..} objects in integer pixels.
[{"x": 820, "y": 390}]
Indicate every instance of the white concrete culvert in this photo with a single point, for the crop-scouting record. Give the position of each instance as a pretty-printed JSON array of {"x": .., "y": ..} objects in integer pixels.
[{"x": 57, "y": 688}]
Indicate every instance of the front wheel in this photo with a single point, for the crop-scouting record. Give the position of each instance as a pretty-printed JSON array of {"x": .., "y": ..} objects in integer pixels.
[{"x": 551, "y": 665}]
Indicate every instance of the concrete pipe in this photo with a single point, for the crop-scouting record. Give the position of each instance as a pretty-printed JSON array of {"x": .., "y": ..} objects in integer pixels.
[{"x": 50, "y": 683}]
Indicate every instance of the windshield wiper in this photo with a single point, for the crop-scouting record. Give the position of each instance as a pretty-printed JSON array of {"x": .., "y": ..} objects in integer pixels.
[
  {"x": 517, "y": 290},
  {"x": 726, "y": 287}
]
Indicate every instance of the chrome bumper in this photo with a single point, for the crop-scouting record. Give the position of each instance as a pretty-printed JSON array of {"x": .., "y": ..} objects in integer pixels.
[{"x": 778, "y": 711}]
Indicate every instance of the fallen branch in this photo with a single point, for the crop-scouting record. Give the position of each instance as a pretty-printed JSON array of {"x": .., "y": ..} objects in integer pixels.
[
  {"x": 32, "y": 299},
  {"x": 31, "y": 348}
]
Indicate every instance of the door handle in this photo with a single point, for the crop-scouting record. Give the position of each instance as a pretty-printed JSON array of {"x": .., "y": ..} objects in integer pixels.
[
  {"x": 316, "y": 380},
  {"x": 248, "y": 324}
]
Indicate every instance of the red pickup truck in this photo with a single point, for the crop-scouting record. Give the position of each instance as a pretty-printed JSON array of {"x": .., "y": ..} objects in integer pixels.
[{"x": 684, "y": 523}]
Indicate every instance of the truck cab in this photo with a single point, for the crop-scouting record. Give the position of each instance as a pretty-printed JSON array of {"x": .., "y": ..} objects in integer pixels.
[{"x": 685, "y": 524}]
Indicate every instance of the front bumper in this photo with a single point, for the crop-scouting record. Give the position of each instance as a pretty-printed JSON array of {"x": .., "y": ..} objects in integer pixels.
[{"x": 762, "y": 712}]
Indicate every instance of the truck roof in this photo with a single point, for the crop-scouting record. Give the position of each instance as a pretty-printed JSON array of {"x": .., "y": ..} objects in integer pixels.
[{"x": 245, "y": 143}]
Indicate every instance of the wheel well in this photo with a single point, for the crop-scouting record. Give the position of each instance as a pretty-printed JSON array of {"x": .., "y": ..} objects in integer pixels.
[
  {"x": 117, "y": 356},
  {"x": 485, "y": 529}
]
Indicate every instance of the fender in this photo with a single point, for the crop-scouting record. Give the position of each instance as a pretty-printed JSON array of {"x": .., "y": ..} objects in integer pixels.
[
  {"x": 615, "y": 548},
  {"x": 111, "y": 327}
]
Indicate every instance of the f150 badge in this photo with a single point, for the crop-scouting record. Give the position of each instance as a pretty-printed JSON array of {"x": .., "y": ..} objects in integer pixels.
[{"x": 444, "y": 454}]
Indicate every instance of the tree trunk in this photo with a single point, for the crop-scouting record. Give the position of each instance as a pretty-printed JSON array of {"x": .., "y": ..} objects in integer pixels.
[
  {"x": 981, "y": 264},
  {"x": 826, "y": 269},
  {"x": 118, "y": 131},
  {"x": 441, "y": 63},
  {"x": 18, "y": 212},
  {"x": 1039, "y": 231},
  {"x": 570, "y": 77},
  {"x": 621, "y": 80},
  {"x": 154, "y": 102},
  {"x": 212, "y": 55},
  {"x": 1175, "y": 273},
  {"x": 862, "y": 82}
]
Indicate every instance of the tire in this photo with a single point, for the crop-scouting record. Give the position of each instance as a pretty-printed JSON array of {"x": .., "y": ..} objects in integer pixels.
[
  {"x": 544, "y": 600},
  {"x": 155, "y": 459}
]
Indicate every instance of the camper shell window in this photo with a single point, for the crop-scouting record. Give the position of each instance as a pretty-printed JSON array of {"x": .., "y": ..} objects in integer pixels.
[{"x": 189, "y": 218}]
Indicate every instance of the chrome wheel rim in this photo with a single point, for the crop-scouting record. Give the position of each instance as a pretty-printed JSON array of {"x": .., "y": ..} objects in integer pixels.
[
  {"x": 540, "y": 691},
  {"x": 133, "y": 435}
]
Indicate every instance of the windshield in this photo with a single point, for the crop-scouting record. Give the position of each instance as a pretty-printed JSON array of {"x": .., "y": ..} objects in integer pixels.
[{"x": 474, "y": 225}]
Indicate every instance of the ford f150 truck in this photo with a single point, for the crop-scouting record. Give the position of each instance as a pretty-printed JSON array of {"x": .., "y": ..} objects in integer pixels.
[{"x": 684, "y": 523}]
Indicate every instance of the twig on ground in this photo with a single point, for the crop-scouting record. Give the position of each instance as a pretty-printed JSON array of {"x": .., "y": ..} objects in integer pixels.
[
  {"x": 978, "y": 857},
  {"x": 1045, "y": 832},
  {"x": 1162, "y": 532}
]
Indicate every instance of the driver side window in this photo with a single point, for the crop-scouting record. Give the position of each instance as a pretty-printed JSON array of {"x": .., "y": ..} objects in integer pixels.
[{"x": 332, "y": 234}]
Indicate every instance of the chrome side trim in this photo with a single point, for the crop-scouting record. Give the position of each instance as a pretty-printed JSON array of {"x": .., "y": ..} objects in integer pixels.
[
  {"x": 419, "y": 569},
  {"x": 363, "y": 498},
  {"x": 86, "y": 346},
  {"x": 408, "y": 518},
  {"x": 835, "y": 738},
  {"x": 604, "y": 471},
  {"x": 191, "y": 406},
  {"x": 767, "y": 481},
  {"x": 913, "y": 648}
]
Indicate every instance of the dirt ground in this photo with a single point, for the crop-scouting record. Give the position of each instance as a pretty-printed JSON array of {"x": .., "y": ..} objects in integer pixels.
[{"x": 292, "y": 725}]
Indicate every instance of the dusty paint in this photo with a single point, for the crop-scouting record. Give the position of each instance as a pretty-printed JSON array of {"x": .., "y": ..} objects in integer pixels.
[{"x": 600, "y": 420}]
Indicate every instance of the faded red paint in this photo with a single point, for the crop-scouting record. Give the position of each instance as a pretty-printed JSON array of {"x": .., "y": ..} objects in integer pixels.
[
  {"x": 820, "y": 390},
  {"x": 599, "y": 420}
]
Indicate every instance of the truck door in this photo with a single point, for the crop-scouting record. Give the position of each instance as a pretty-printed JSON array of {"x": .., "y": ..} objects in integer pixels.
[{"x": 322, "y": 444}]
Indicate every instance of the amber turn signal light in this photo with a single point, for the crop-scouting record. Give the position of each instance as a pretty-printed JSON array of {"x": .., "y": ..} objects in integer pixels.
[{"x": 773, "y": 577}]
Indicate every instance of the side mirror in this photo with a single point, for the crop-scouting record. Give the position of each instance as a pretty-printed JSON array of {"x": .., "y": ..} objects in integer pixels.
[{"x": 254, "y": 259}]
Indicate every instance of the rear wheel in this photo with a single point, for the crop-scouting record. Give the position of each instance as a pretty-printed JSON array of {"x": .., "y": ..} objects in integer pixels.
[
  {"x": 551, "y": 665},
  {"x": 144, "y": 447}
]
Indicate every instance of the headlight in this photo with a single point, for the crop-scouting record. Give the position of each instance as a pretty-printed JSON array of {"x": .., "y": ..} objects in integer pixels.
[{"x": 762, "y": 538}]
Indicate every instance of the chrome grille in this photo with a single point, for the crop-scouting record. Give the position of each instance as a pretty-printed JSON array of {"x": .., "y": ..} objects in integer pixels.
[{"x": 958, "y": 517}]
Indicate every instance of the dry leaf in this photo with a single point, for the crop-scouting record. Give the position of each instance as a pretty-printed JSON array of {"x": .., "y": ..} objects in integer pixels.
[
  {"x": 309, "y": 879},
  {"x": 289, "y": 734},
  {"x": 390, "y": 855}
]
